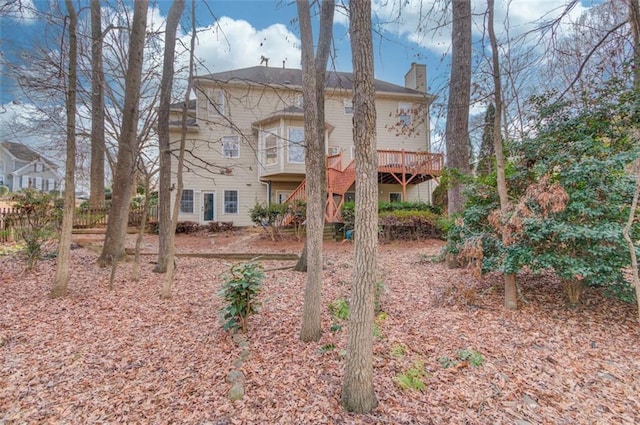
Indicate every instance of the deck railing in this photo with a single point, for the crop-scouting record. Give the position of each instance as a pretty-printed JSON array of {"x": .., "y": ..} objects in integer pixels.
[{"x": 390, "y": 161}]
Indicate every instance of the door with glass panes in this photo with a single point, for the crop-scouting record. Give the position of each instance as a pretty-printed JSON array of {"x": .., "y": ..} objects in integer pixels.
[{"x": 208, "y": 206}]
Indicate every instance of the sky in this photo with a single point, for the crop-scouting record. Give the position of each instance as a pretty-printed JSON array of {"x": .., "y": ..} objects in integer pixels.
[{"x": 246, "y": 30}]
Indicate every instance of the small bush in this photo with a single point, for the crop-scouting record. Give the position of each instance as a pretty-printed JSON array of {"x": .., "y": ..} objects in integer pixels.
[
  {"x": 476, "y": 359},
  {"x": 339, "y": 309},
  {"x": 36, "y": 221},
  {"x": 463, "y": 355},
  {"x": 269, "y": 217},
  {"x": 242, "y": 286},
  {"x": 412, "y": 379}
]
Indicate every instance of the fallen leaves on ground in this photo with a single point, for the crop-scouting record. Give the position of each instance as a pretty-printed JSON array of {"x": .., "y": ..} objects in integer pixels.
[{"x": 126, "y": 356}]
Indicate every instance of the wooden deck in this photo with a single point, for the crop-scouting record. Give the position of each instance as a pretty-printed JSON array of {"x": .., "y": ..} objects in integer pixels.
[{"x": 394, "y": 167}]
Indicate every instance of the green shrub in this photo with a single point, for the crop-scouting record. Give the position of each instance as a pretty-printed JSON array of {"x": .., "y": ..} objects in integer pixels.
[
  {"x": 269, "y": 217},
  {"x": 339, "y": 309},
  {"x": 36, "y": 221},
  {"x": 422, "y": 217},
  {"x": 239, "y": 291},
  {"x": 412, "y": 378},
  {"x": 476, "y": 359},
  {"x": 348, "y": 214},
  {"x": 571, "y": 192},
  {"x": 408, "y": 206},
  {"x": 465, "y": 355}
]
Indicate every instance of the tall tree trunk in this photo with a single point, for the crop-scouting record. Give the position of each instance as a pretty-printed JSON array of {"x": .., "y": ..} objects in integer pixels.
[
  {"x": 96, "y": 193},
  {"x": 170, "y": 260},
  {"x": 61, "y": 277},
  {"x": 164, "y": 142},
  {"x": 357, "y": 389},
  {"x": 313, "y": 80},
  {"x": 634, "y": 21},
  {"x": 113, "y": 249},
  {"x": 457, "y": 128},
  {"x": 510, "y": 289},
  {"x": 144, "y": 218}
]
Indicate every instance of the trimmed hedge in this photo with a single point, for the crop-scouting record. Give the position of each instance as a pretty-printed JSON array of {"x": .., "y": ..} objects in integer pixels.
[{"x": 400, "y": 220}]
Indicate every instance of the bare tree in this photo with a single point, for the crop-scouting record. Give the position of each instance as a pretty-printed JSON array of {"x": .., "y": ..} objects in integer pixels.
[
  {"x": 164, "y": 209},
  {"x": 510, "y": 290},
  {"x": 113, "y": 248},
  {"x": 357, "y": 388},
  {"x": 313, "y": 82},
  {"x": 168, "y": 277},
  {"x": 61, "y": 277},
  {"x": 96, "y": 193},
  {"x": 457, "y": 129}
]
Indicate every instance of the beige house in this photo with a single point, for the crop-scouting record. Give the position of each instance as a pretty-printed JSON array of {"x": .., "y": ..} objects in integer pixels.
[
  {"x": 245, "y": 142},
  {"x": 21, "y": 167}
]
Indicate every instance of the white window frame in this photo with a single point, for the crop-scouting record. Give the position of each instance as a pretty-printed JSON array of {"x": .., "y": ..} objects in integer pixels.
[
  {"x": 399, "y": 194},
  {"x": 404, "y": 113},
  {"x": 215, "y": 99},
  {"x": 271, "y": 136},
  {"x": 185, "y": 203},
  {"x": 237, "y": 201},
  {"x": 348, "y": 106},
  {"x": 295, "y": 146},
  {"x": 333, "y": 150},
  {"x": 234, "y": 151},
  {"x": 352, "y": 151}
]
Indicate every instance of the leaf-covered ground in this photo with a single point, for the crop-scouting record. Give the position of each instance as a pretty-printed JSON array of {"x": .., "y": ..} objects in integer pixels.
[{"x": 125, "y": 356}]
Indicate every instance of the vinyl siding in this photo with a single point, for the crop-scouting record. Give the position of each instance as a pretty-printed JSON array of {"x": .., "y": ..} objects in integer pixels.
[{"x": 248, "y": 108}]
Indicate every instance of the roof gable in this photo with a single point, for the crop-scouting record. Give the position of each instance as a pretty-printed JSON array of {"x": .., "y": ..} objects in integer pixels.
[{"x": 24, "y": 153}]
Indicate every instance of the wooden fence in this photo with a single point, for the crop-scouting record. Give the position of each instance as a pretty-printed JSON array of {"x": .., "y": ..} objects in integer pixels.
[{"x": 14, "y": 218}]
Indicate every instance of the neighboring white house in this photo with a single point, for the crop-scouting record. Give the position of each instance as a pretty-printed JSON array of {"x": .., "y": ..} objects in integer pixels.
[
  {"x": 245, "y": 142},
  {"x": 21, "y": 167}
]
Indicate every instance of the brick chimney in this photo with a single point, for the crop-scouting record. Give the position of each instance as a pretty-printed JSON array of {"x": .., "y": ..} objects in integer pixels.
[{"x": 416, "y": 78}]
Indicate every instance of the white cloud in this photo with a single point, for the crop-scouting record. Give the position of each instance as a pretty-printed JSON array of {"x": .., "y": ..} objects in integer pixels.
[
  {"x": 426, "y": 24},
  {"x": 23, "y": 11},
  {"x": 232, "y": 44}
]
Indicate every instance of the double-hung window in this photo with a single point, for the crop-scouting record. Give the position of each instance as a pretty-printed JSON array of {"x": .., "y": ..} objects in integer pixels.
[
  {"x": 186, "y": 202},
  {"x": 404, "y": 114},
  {"x": 271, "y": 148},
  {"x": 215, "y": 102},
  {"x": 296, "y": 145},
  {"x": 231, "y": 202},
  {"x": 231, "y": 147},
  {"x": 348, "y": 107}
]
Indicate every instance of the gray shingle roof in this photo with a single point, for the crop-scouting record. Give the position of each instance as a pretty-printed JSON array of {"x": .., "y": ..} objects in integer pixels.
[
  {"x": 24, "y": 153},
  {"x": 293, "y": 78}
]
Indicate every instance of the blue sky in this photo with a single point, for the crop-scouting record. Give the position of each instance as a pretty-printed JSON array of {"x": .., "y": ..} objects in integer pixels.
[{"x": 248, "y": 29}]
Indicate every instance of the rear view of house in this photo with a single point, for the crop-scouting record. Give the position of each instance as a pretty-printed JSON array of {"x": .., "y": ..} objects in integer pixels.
[
  {"x": 21, "y": 167},
  {"x": 246, "y": 145}
]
